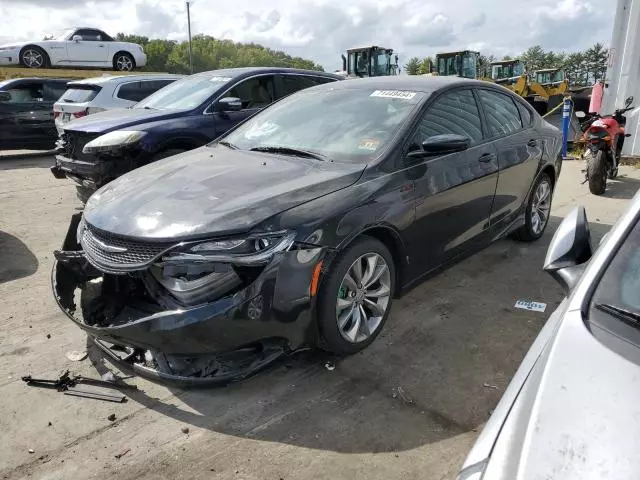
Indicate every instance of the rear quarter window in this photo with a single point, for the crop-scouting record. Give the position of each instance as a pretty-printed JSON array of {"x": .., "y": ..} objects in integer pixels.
[{"x": 80, "y": 93}]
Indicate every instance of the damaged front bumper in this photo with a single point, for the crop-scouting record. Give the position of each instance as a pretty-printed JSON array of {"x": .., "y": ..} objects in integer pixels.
[{"x": 212, "y": 342}]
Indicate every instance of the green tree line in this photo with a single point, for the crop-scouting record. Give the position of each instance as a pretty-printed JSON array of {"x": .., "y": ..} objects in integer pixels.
[
  {"x": 582, "y": 68},
  {"x": 210, "y": 53}
]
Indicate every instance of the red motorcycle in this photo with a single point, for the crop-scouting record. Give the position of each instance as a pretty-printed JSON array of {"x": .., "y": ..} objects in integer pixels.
[{"x": 604, "y": 137}]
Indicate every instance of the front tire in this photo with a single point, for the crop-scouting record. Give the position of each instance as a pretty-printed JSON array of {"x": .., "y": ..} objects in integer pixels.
[
  {"x": 537, "y": 212},
  {"x": 123, "y": 62},
  {"x": 355, "y": 299},
  {"x": 33, "y": 56},
  {"x": 597, "y": 172}
]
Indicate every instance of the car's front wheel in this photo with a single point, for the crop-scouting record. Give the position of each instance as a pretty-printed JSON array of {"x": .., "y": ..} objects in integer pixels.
[
  {"x": 123, "y": 62},
  {"x": 537, "y": 212},
  {"x": 32, "y": 56},
  {"x": 356, "y": 296}
]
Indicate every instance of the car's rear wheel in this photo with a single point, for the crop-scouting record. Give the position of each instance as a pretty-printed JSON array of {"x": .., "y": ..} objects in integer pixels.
[
  {"x": 355, "y": 298},
  {"x": 597, "y": 172},
  {"x": 123, "y": 62},
  {"x": 32, "y": 56},
  {"x": 537, "y": 212}
]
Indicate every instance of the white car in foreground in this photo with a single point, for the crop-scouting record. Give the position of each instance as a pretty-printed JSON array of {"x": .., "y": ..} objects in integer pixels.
[
  {"x": 75, "y": 47},
  {"x": 92, "y": 95}
]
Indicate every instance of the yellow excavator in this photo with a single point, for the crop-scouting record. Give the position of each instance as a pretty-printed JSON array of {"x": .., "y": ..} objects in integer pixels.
[{"x": 369, "y": 61}]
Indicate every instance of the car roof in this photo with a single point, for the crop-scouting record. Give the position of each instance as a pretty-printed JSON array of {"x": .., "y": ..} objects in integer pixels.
[
  {"x": 9, "y": 81},
  {"x": 246, "y": 71},
  {"x": 417, "y": 83},
  {"x": 121, "y": 78}
]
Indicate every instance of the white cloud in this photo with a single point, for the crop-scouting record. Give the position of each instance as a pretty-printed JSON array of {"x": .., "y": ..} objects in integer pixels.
[{"x": 322, "y": 29}]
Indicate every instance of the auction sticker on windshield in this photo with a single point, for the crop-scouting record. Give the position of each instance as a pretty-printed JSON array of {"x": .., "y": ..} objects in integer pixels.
[{"x": 394, "y": 94}]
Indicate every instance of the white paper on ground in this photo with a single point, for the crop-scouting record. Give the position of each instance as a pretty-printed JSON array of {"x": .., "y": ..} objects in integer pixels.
[{"x": 532, "y": 306}]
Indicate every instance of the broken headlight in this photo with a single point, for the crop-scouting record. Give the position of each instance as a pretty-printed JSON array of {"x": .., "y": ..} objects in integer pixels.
[{"x": 256, "y": 249}]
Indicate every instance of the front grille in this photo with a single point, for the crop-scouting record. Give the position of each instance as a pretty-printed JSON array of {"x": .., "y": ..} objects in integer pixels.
[
  {"x": 73, "y": 142},
  {"x": 113, "y": 254}
]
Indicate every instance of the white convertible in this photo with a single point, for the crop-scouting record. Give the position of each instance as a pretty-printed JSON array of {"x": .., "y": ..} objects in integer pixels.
[{"x": 75, "y": 47}]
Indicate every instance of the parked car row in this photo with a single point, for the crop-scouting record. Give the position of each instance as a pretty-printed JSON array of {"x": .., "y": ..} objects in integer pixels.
[
  {"x": 185, "y": 115},
  {"x": 235, "y": 216}
]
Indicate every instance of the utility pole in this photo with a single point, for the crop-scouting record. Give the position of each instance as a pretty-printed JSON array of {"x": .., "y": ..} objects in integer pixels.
[{"x": 189, "y": 28}]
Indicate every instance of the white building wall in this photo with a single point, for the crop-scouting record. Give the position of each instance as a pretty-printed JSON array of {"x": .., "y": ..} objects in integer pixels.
[{"x": 623, "y": 70}]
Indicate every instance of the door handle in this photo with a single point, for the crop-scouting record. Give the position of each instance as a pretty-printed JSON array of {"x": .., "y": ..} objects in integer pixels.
[
  {"x": 101, "y": 46},
  {"x": 532, "y": 143},
  {"x": 487, "y": 157}
]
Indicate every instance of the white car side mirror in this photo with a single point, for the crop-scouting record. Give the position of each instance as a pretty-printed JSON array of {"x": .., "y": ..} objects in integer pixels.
[{"x": 76, "y": 38}]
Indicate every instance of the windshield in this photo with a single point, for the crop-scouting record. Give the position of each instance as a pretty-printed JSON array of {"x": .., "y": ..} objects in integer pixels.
[
  {"x": 184, "y": 94},
  {"x": 352, "y": 125},
  {"x": 63, "y": 34}
]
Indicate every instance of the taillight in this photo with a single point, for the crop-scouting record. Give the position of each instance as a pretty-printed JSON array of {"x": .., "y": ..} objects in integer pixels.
[
  {"x": 56, "y": 114},
  {"x": 82, "y": 113}
]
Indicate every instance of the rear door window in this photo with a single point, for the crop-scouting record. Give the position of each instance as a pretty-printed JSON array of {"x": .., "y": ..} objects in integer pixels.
[
  {"x": 293, "y": 83},
  {"x": 503, "y": 117},
  {"x": 80, "y": 93},
  {"x": 132, "y": 91}
]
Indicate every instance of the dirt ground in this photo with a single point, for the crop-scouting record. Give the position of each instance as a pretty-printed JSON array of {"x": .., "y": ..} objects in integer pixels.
[{"x": 410, "y": 406}]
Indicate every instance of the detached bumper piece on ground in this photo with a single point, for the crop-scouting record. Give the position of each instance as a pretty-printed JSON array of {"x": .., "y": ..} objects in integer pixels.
[{"x": 182, "y": 322}]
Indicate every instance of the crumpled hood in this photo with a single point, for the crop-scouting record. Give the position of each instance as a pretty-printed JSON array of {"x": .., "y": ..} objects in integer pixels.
[
  {"x": 211, "y": 191},
  {"x": 119, "y": 118},
  {"x": 577, "y": 416}
]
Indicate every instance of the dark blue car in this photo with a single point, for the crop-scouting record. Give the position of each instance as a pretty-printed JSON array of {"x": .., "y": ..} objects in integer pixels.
[{"x": 182, "y": 116}]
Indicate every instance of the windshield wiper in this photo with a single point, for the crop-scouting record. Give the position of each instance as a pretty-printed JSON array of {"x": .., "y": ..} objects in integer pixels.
[
  {"x": 620, "y": 313},
  {"x": 227, "y": 144},
  {"x": 289, "y": 151}
]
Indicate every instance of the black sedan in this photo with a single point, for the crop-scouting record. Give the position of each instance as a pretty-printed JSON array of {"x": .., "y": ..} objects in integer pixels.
[
  {"x": 26, "y": 112},
  {"x": 301, "y": 225}
]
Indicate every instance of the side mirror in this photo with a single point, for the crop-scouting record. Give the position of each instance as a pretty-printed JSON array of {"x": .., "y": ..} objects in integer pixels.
[
  {"x": 580, "y": 114},
  {"x": 229, "y": 104},
  {"x": 76, "y": 38},
  {"x": 5, "y": 97},
  {"x": 628, "y": 102},
  {"x": 441, "y": 145},
  {"x": 569, "y": 250}
]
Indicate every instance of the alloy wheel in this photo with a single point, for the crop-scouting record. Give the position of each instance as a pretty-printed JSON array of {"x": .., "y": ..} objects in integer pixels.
[
  {"x": 541, "y": 207},
  {"x": 124, "y": 63},
  {"x": 32, "y": 58},
  {"x": 363, "y": 298}
]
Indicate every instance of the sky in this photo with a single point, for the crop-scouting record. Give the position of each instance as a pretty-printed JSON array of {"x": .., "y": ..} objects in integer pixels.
[{"x": 321, "y": 30}]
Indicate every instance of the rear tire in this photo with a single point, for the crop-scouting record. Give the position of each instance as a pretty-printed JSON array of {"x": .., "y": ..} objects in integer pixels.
[
  {"x": 123, "y": 62},
  {"x": 537, "y": 212},
  {"x": 597, "y": 173},
  {"x": 352, "y": 314}
]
